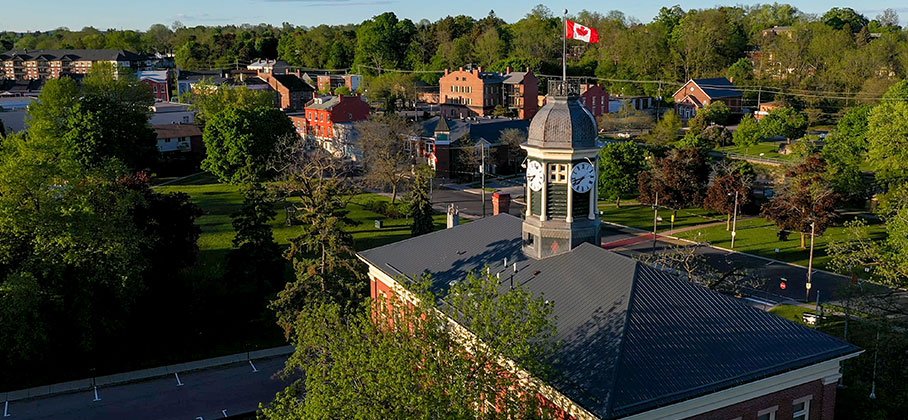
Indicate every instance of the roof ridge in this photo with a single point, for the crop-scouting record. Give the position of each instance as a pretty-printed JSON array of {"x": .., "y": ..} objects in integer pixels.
[{"x": 627, "y": 314}]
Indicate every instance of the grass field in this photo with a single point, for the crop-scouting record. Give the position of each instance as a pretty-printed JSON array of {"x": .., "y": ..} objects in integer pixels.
[
  {"x": 640, "y": 216},
  {"x": 769, "y": 149},
  {"x": 219, "y": 201},
  {"x": 758, "y": 236},
  {"x": 792, "y": 313}
]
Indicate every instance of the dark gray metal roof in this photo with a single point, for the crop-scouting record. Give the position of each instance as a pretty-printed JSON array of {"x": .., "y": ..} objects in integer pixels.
[
  {"x": 563, "y": 123},
  {"x": 718, "y": 87},
  {"x": 634, "y": 338},
  {"x": 483, "y": 129}
]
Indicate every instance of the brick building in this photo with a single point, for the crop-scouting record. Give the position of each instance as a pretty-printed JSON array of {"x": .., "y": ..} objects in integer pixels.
[
  {"x": 293, "y": 93},
  {"x": 594, "y": 97},
  {"x": 473, "y": 92},
  {"x": 328, "y": 122},
  {"x": 699, "y": 93},
  {"x": 637, "y": 342},
  {"x": 158, "y": 81},
  {"x": 179, "y": 138},
  {"x": 440, "y": 140},
  {"x": 328, "y": 82},
  {"x": 51, "y": 64}
]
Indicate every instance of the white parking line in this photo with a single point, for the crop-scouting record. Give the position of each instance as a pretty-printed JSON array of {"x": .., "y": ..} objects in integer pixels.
[
  {"x": 97, "y": 397},
  {"x": 179, "y": 383},
  {"x": 224, "y": 412},
  {"x": 6, "y": 409},
  {"x": 253, "y": 367}
]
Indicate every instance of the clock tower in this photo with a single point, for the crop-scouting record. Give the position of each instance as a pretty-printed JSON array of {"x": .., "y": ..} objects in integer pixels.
[{"x": 562, "y": 175}]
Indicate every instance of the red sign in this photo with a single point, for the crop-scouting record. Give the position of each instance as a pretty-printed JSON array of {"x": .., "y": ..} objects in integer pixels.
[{"x": 783, "y": 285}]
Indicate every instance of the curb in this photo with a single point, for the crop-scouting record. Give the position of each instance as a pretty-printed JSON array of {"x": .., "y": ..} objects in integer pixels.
[{"x": 141, "y": 375}]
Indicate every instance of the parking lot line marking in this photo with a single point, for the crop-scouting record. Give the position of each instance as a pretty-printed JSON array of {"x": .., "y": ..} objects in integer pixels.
[
  {"x": 97, "y": 397},
  {"x": 6, "y": 409},
  {"x": 179, "y": 383},
  {"x": 224, "y": 412},
  {"x": 253, "y": 366}
]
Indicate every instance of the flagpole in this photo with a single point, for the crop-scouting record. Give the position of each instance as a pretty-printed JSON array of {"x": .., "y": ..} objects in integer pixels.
[{"x": 564, "y": 47}]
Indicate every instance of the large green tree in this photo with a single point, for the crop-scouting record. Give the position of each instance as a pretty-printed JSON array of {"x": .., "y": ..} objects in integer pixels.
[
  {"x": 887, "y": 136},
  {"x": 240, "y": 142},
  {"x": 846, "y": 150},
  {"x": 419, "y": 201},
  {"x": 619, "y": 166},
  {"x": 395, "y": 358}
]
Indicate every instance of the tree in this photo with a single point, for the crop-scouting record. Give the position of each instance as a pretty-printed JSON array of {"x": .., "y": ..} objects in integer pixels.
[
  {"x": 627, "y": 118},
  {"x": 666, "y": 130},
  {"x": 805, "y": 198},
  {"x": 749, "y": 132},
  {"x": 254, "y": 265},
  {"x": 619, "y": 166},
  {"x": 785, "y": 122},
  {"x": 679, "y": 179},
  {"x": 707, "y": 41},
  {"x": 386, "y": 158},
  {"x": 359, "y": 364},
  {"x": 512, "y": 138},
  {"x": 730, "y": 188},
  {"x": 842, "y": 17},
  {"x": 379, "y": 41},
  {"x": 714, "y": 113},
  {"x": 323, "y": 257},
  {"x": 419, "y": 202},
  {"x": 239, "y": 142},
  {"x": 887, "y": 136},
  {"x": 716, "y": 136},
  {"x": 106, "y": 117},
  {"x": 209, "y": 100}
]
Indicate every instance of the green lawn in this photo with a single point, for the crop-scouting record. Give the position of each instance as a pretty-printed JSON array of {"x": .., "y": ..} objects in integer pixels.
[
  {"x": 640, "y": 216},
  {"x": 792, "y": 313},
  {"x": 758, "y": 236},
  {"x": 219, "y": 201},
  {"x": 770, "y": 150}
]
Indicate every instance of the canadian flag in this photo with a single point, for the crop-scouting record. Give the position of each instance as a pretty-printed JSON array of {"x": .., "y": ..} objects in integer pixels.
[{"x": 582, "y": 33}]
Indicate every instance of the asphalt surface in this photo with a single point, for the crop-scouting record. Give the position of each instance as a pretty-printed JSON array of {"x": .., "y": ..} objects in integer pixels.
[
  {"x": 469, "y": 204},
  {"x": 235, "y": 389}
]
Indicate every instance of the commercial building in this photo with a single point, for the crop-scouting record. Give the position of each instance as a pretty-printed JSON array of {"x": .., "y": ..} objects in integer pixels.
[
  {"x": 472, "y": 92},
  {"x": 52, "y": 64}
]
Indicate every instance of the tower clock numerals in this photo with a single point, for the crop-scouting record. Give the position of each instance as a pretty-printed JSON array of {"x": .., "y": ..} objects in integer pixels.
[
  {"x": 535, "y": 175},
  {"x": 583, "y": 177}
]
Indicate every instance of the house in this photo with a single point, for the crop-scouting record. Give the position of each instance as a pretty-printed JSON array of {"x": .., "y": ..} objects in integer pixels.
[
  {"x": 328, "y": 122},
  {"x": 188, "y": 80},
  {"x": 179, "y": 139},
  {"x": 171, "y": 113},
  {"x": 51, "y": 64},
  {"x": 269, "y": 66},
  {"x": 637, "y": 342},
  {"x": 158, "y": 81},
  {"x": 594, "y": 98},
  {"x": 699, "y": 93},
  {"x": 293, "y": 93},
  {"x": 765, "y": 108},
  {"x": 328, "y": 82},
  {"x": 440, "y": 140},
  {"x": 618, "y": 102},
  {"x": 476, "y": 93}
]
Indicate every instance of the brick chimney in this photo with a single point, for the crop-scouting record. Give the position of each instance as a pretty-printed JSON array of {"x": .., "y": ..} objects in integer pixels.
[
  {"x": 508, "y": 70},
  {"x": 501, "y": 203}
]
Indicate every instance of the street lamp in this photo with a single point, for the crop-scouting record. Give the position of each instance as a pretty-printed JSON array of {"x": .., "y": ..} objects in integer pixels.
[
  {"x": 734, "y": 221},
  {"x": 810, "y": 263},
  {"x": 655, "y": 220},
  {"x": 482, "y": 170}
]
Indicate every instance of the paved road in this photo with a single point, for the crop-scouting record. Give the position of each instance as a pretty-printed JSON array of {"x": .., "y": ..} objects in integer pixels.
[
  {"x": 234, "y": 388},
  {"x": 827, "y": 284},
  {"x": 469, "y": 203}
]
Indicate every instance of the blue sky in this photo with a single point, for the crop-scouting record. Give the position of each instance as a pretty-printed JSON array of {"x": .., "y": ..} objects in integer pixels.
[{"x": 130, "y": 14}]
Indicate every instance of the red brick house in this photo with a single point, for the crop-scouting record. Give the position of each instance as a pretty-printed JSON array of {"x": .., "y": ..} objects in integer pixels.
[
  {"x": 637, "y": 342},
  {"x": 328, "y": 82},
  {"x": 293, "y": 93},
  {"x": 698, "y": 93},
  {"x": 158, "y": 81},
  {"x": 328, "y": 121},
  {"x": 476, "y": 93},
  {"x": 179, "y": 139}
]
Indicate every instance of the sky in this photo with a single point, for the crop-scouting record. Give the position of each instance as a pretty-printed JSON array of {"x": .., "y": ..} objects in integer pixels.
[{"x": 132, "y": 14}]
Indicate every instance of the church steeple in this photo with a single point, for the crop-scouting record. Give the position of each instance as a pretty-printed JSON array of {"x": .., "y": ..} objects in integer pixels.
[{"x": 562, "y": 175}]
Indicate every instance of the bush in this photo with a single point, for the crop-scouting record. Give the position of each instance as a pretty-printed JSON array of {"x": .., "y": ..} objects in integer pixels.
[{"x": 386, "y": 208}]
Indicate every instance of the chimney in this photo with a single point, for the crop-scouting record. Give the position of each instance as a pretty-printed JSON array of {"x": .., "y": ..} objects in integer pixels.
[
  {"x": 447, "y": 71},
  {"x": 461, "y": 68},
  {"x": 453, "y": 216},
  {"x": 508, "y": 70},
  {"x": 480, "y": 69},
  {"x": 501, "y": 203}
]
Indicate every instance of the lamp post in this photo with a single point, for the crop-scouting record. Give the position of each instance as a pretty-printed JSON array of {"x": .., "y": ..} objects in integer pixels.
[
  {"x": 482, "y": 170},
  {"x": 810, "y": 263},
  {"x": 655, "y": 220},
  {"x": 734, "y": 221}
]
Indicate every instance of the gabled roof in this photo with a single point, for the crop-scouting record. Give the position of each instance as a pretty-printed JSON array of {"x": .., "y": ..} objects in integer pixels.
[
  {"x": 170, "y": 131},
  {"x": 482, "y": 129},
  {"x": 74, "y": 54},
  {"x": 635, "y": 338},
  {"x": 715, "y": 88},
  {"x": 324, "y": 103},
  {"x": 514, "y": 77},
  {"x": 293, "y": 83}
]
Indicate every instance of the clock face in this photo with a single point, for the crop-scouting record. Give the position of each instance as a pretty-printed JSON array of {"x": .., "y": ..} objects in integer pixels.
[
  {"x": 535, "y": 175},
  {"x": 583, "y": 177}
]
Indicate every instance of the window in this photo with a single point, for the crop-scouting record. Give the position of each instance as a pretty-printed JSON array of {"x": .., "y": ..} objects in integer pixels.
[
  {"x": 558, "y": 173},
  {"x": 800, "y": 408},
  {"x": 767, "y": 414}
]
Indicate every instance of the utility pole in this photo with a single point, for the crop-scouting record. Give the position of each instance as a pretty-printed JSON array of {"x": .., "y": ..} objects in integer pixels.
[
  {"x": 810, "y": 262},
  {"x": 482, "y": 170}
]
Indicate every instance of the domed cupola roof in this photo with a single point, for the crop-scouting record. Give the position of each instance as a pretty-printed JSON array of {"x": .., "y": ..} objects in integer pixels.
[{"x": 563, "y": 122}]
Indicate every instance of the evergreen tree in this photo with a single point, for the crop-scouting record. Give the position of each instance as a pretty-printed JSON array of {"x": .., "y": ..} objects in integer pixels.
[
  {"x": 254, "y": 265},
  {"x": 420, "y": 202}
]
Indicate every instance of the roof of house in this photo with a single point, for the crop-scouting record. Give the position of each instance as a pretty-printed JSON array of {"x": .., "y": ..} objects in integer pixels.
[
  {"x": 268, "y": 63},
  {"x": 635, "y": 338},
  {"x": 170, "y": 131},
  {"x": 215, "y": 76},
  {"x": 716, "y": 87},
  {"x": 514, "y": 77},
  {"x": 74, "y": 55},
  {"x": 17, "y": 87},
  {"x": 158, "y": 76},
  {"x": 293, "y": 83},
  {"x": 488, "y": 130}
]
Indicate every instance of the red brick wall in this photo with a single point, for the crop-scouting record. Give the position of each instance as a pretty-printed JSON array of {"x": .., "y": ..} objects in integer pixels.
[
  {"x": 159, "y": 90},
  {"x": 822, "y": 404}
]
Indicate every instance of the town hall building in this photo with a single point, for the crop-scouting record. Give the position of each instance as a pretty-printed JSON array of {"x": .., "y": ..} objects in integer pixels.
[{"x": 638, "y": 343}]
